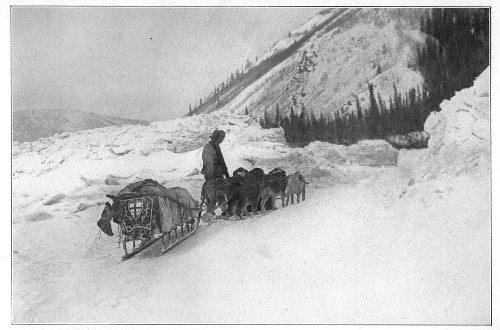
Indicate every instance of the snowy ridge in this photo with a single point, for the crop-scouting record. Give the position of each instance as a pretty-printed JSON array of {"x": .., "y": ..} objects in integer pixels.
[
  {"x": 326, "y": 74},
  {"x": 299, "y": 32}
]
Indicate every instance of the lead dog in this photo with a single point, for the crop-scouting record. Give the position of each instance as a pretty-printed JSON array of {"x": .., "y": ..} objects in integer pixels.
[{"x": 296, "y": 185}]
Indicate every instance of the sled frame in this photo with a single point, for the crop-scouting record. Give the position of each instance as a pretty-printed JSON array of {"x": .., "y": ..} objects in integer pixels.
[{"x": 186, "y": 229}]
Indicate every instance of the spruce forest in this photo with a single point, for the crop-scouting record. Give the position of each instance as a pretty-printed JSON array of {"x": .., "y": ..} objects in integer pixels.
[{"x": 455, "y": 52}]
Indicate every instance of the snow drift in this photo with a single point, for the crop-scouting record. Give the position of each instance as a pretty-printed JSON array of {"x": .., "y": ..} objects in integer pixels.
[{"x": 460, "y": 136}]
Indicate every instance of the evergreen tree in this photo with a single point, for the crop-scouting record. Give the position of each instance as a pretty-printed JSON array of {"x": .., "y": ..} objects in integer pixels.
[
  {"x": 321, "y": 127},
  {"x": 246, "y": 110},
  {"x": 428, "y": 24},
  {"x": 285, "y": 124},
  {"x": 302, "y": 124},
  {"x": 312, "y": 128},
  {"x": 384, "y": 125},
  {"x": 358, "y": 117},
  {"x": 411, "y": 112},
  {"x": 277, "y": 118},
  {"x": 266, "y": 120},
  {"x": 395, "y": 112},
  {"x": 418, "y": 112},
  {"x": 373, "y": 118},
  {"x": 294, "y": 126},
  {"x": 338, "y": 128},
  {"x": 390, "y": 117}
]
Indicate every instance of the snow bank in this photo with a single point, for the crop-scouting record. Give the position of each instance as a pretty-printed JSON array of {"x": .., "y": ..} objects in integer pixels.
[
  {"x": 72, "y": 172},
  {"x": 366, "y": 152},
  {"x": 170, "y": 152},
  {"x": 460, "y": 136}
]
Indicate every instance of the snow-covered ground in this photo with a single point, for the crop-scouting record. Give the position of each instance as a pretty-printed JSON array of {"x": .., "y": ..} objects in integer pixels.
[{"x": 372, "y": 243}]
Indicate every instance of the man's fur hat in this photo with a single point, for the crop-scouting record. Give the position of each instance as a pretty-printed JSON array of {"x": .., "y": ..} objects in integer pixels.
[{"x": 217, "y": 134}]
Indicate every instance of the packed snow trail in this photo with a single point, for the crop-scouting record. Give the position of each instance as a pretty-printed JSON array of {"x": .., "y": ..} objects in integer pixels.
[{"x": 376, "y": 252}]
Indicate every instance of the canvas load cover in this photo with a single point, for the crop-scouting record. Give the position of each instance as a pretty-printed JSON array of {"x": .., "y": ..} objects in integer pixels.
[{"x": 174, "y": 206}]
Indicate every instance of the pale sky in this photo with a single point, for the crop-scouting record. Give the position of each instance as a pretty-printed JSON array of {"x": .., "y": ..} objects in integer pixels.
[{"x": 145, "y": 63}]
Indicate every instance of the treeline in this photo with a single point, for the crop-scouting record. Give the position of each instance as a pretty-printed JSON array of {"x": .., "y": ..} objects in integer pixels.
[
  {"x": 456, "y": 50},
  {"x": 402, "y": 114}
]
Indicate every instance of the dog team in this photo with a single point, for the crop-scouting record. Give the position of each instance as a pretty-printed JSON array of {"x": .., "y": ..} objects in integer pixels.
[{"x": 246, "y": 190}]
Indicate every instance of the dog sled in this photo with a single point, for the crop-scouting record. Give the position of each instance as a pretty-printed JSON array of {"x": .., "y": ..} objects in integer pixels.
[{"x": 147, "y": 212}]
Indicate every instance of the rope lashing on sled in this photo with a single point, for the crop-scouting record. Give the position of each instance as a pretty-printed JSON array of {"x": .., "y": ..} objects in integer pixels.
[
  {"x": 98, "y": 236},
  {"x": 120, "y": 236},
  {"x": 172, "y": 200},
  {"x": 95, "y": 244}
]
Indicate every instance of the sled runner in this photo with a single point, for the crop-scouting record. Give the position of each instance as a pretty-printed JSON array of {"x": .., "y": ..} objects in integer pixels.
[{"x": 147, "y": 212}]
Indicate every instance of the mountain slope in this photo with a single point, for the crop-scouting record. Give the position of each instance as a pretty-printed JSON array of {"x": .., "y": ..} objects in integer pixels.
[
  {"x": 252, "y": 72},
  {"x": 335, "y": 63},
  {"x": 35, "y": 124}
]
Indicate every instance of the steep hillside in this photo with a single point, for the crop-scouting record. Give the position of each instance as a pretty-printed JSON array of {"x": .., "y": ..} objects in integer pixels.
[
  {"x": 35, "y": 124},
  {"x": 226, "y": 91},
  {"x": 335, "y": 63}
]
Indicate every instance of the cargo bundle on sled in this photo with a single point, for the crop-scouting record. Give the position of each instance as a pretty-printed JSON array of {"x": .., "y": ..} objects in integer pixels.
[{"x": 147, "y": 212}]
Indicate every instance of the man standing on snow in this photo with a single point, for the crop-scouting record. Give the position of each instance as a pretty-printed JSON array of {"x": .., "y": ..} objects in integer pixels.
[{"x": 214, "y": 169}]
